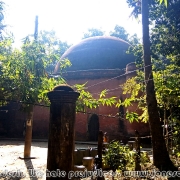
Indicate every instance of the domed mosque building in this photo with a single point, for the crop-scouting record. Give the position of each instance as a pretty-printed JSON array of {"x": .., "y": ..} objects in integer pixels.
[{"x": 102, "y": 63}]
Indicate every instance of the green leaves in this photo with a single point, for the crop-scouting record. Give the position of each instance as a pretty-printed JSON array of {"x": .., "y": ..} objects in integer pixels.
[
  {"x": 120, "y": 32},
  {"x": 48, "y": 84},
  {"x": 24, "y": 74},
  {"x": 86, "y": 99},
  {"x": 131, "y": 87},
  {"x": 93, "y": 32},
  {"x": 165, "y": 2},
  {"x": 64, "y": 64},
  {"x": 132, "y": 116},
  {"x": 103, "y": 93},
  {"x": 118, "y": 156}
]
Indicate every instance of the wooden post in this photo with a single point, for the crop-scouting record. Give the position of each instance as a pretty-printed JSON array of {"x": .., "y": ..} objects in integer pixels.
[
  {"x": 28, "y": 133},
  {"x": 61, "y": 132},
  {"x": 138, "y": 153},
  {"x": 100, "y": 147}
]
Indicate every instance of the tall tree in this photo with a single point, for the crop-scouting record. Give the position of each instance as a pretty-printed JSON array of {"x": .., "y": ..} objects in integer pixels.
[
  {"x": 53, "y": 46},
  {"x": 26, "y": 77},
  {"x": 27, "y": 80},
  {"x": 160, "y": 154},
  {"x": 49, "y": 38}
]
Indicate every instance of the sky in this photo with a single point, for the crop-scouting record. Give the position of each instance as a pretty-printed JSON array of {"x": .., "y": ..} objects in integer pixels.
[{"x": 69, "y": 18}]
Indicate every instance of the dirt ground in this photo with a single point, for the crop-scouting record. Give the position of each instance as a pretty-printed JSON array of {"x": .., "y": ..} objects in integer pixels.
[{"x": 12, "y": 167}]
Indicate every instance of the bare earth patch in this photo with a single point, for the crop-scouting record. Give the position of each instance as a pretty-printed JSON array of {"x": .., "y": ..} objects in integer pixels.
[
  {"x": 10, "y": 161},
  {"x": 11, "y": 165}
]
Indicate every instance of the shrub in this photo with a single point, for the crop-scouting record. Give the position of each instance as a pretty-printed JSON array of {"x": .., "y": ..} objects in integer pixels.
[{"x": 118, "y": 157}]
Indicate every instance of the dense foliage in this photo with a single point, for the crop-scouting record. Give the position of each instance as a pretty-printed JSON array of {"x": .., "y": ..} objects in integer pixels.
[
  {"x": 164, "y": 38},
  {"x": 120, "y": 32},
  {"x": 120, "y": 157},
  {"x": 93, "y": 32}
]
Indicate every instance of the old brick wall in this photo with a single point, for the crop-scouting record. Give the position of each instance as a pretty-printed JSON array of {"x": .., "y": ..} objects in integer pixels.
[{"x": 116, "y": 128}]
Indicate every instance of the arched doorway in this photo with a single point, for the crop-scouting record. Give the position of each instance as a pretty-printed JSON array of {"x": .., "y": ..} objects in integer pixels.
[{"x": 93, "y": 127}]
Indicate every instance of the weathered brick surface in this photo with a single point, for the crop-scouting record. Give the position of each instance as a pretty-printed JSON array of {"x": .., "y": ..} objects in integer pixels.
[{"x": 110, "y": 125}]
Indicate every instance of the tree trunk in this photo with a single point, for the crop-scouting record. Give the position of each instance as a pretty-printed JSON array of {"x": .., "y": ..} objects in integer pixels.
[
  {"x": 160, "y": 154},
  {"x": 28, "y": 134}
]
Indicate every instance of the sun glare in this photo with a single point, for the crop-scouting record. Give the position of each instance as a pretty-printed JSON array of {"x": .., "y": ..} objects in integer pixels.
[{"x": 69, "y": 18}]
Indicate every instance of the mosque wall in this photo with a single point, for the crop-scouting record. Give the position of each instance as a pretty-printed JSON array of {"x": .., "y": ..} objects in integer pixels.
[{"x": 116, "y": 128}]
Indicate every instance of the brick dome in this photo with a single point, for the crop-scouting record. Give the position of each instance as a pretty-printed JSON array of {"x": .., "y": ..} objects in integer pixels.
[{"x": 100, "y": 52}]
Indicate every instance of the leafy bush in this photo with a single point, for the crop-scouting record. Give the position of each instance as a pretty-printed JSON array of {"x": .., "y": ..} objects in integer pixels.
[{"x": 118, "y": 157}]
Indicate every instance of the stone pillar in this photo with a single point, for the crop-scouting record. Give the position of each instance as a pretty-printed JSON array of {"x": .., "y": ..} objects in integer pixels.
[{"x": 61, "y": 132}]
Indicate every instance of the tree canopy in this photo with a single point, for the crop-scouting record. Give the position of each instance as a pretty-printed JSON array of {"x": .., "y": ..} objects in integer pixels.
[
  {"x": 120, "y": 32},
  {"x": 93, "y": 32}
]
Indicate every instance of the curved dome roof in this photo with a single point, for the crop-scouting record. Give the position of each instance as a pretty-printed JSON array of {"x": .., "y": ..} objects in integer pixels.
[{"x": 100, "y": 52}]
